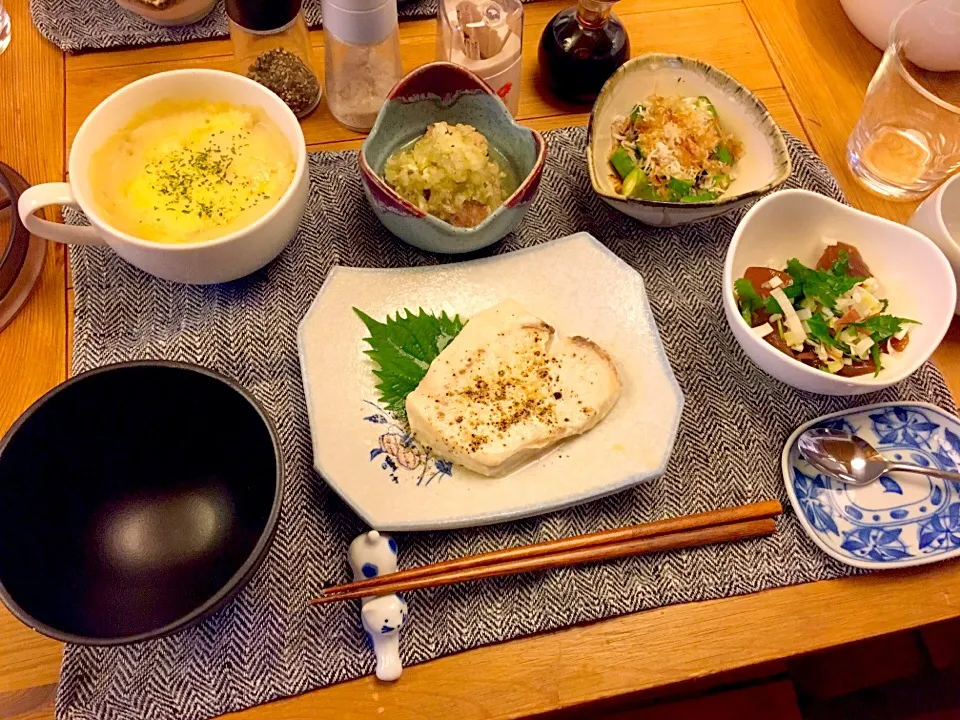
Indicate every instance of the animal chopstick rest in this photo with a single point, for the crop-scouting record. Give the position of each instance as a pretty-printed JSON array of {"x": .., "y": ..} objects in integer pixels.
[{"x": 373, "y": 554}]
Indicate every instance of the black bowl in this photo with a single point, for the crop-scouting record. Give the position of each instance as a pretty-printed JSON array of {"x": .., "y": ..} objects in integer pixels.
[{"x": 135, "y": 499}]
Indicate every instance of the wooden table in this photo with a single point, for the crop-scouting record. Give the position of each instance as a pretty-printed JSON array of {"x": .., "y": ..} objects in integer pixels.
[{"x": 810, "y": 67}]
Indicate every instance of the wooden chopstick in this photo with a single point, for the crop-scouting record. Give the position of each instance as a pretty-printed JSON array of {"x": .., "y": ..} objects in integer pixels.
[
  {"x": 673, "y": 541},
  {"x": 755, "y": 511},
  {"x": 741, "y": 513}
]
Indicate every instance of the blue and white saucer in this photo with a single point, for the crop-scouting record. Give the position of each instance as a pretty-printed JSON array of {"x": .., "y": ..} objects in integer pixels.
[{"x": 902, "y": 519}]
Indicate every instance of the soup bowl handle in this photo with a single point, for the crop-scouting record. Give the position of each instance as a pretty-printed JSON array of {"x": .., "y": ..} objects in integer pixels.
[{"x": 40, "y": 196}]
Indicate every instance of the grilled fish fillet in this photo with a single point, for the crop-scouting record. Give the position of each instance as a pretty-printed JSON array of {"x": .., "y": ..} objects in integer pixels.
[{"x": 506, "y": 388}]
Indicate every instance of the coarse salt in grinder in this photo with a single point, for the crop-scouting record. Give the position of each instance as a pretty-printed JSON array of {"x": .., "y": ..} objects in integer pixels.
[
  {"x": 361, "y": 58},
  {"x": 271, "y": 45}
]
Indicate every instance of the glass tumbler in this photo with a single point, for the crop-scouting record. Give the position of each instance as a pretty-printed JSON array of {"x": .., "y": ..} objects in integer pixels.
[
  {"x": 4, "y": 28},
  {"x": 907, "y": 139}
]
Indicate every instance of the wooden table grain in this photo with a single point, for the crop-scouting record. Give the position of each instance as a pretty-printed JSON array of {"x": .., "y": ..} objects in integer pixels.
[{"x": 810, "y": 67}]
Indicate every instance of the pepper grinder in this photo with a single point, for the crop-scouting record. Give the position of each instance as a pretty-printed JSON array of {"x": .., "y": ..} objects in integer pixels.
[
  {"x": 580, "y": 49},
  {"x": 361, "y": 58},
  {"x": 271, "y": 46}
]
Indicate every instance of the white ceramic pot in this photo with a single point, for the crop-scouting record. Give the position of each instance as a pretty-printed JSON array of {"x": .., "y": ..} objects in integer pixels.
[
  {"x": 914, "y": 276},
  {"x": 931, "y": 30},
  {"x": 219, "y": 260},
  {"x": 939, "y": 219},
  {"x": 873, "y": 17},
  {"x": 184, "y": 12}
]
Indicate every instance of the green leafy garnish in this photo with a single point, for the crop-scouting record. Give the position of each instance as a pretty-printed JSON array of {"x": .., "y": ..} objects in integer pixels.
[
  {"x": 881, "y": 328},
  {"x": 750, "y": 300},
  {"x": 723, "y": 155},
  {"x": 825, "y": 286},
  {"x": 794, "y": 291},
  {"x": 403, "y": 347},
  {"x": 772, "y": 306},
  {"x": 841, "y": 265},
  {"x": 819, "y": 330},
  {"x": 875, "y": 354}
]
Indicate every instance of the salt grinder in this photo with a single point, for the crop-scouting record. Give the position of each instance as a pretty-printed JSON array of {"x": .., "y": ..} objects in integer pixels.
[{"x": 362, "y": 58}]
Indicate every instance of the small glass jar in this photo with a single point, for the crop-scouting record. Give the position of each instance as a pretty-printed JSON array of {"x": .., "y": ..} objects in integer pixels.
[
  {"x": 361, "y": 58},
  {"x": 271, "y": 45}
]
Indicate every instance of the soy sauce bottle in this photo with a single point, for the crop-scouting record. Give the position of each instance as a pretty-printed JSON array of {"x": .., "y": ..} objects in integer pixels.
[{"x": 580, "y": 49}]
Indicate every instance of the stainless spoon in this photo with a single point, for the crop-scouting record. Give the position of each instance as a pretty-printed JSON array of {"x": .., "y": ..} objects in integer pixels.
[{"x": 853, "y": 460}]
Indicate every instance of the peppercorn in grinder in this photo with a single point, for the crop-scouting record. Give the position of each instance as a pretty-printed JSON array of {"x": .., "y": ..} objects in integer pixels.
[{"x": 271, "y": 46}]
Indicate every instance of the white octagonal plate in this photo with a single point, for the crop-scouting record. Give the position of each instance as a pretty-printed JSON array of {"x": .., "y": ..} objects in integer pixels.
[{"x": 573, "y": 283}]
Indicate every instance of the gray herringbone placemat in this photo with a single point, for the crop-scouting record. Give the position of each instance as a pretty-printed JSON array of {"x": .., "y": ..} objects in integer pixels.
[
  {"x": 269, "y": 643},
  {"x": 93, "y": 24}
]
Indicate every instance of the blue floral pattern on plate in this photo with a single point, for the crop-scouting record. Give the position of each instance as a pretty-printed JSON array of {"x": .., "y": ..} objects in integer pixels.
[
  {"x": 399, "y": 455},
  {"x": 903, "y": 425},
  {"x": 901, "y": 519}
]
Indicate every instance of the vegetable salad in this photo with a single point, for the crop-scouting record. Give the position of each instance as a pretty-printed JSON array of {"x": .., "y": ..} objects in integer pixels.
[
  {"x": 450, "y": 174},
  {"x": 829, "y": 317},
  {"x": 673, "y": 149}
]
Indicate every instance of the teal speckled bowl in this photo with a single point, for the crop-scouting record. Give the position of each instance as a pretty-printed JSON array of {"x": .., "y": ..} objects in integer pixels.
[{"x": 444, "y": 91}]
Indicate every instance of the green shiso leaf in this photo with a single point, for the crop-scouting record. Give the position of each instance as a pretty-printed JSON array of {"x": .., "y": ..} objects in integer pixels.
[{"x": 403, "y": 347}]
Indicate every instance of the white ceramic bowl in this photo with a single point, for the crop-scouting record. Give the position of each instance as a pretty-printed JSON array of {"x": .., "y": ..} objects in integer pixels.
[
  {"x": 874, "y": 17},
  {"x": 939, "y": 219},
  {"x": 184, "y": 12},
  {"x": 933, "y": 24},
  {"x": 764, "y": 166},
  {"x": 225, "y": 258},
  {"x": 915, "y": 277}
]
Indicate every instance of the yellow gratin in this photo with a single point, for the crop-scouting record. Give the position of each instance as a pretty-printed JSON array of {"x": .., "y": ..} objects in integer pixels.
[{"x": 190, "y": 171}]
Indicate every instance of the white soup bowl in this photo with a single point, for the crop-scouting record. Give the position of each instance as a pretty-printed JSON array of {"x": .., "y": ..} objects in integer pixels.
[{"x": 213, "y": 261}]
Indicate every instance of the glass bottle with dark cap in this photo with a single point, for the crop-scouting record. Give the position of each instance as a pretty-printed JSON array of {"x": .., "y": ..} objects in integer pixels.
[
  {"x": 580, "y": 48},
  {"x": 271, "y": 46}
]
